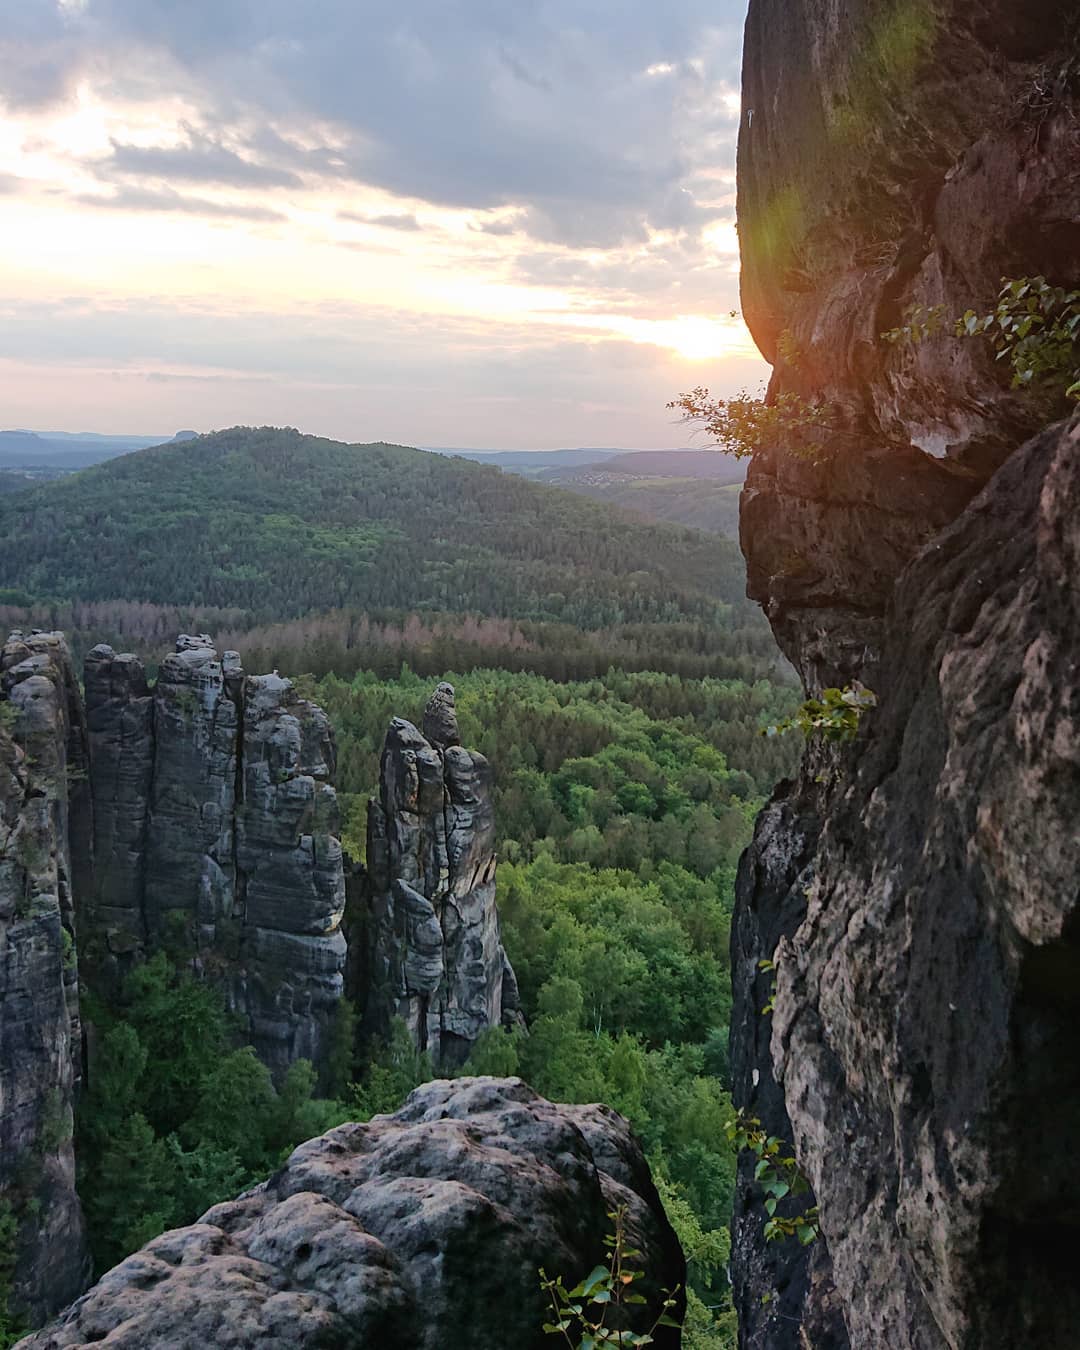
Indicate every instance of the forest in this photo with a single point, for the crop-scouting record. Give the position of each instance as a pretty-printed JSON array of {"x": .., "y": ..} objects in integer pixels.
[
  {"x": 611, "y": 671},
  {"x": 278, "y": 525},
  {"x": 622, "y": 805}
]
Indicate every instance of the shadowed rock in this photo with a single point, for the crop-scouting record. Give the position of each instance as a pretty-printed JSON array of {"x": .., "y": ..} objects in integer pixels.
[
  {"x": 217, "y": 828},
  {"x": 440, "y": 718},
  {"x": 44, "y": 828},
  {"x": 895, "y": 155}
]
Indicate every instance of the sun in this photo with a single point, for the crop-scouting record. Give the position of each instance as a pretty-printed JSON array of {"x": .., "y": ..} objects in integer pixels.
[{"x": 696, "y": 337}]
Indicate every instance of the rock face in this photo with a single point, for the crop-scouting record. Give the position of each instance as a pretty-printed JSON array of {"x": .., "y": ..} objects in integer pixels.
[
  {"x": 918, "y": 888},
  {"x": 44, "y": 826},
  {"x": 436, "y": 958},
  {"x": 926, "y": 1004},
  {"x": 216, "y": 832},
  {"x": 418, "y": 1231},
  {"x": 892, "y": 153}
]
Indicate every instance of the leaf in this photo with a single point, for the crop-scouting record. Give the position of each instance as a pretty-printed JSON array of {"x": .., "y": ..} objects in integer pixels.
[{"x": 594, "y": 1280}]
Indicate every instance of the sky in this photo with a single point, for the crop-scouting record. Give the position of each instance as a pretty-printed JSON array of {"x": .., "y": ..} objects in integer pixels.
[{"x": 492, "y": 223}]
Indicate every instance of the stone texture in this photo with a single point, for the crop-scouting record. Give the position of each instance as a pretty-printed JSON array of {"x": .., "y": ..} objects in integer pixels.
[
  {"x": 418, "y": 1231},
  {"x": 436, "y": 959},
  {"x": 44, "y": 832},
  {"x": 927, "y": 1000},
  {"x": 891, "y": 153},
  {"x": 216, "y": 831}
]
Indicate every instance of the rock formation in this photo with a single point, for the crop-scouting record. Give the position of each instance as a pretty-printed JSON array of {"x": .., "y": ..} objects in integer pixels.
[
  {"x": 436, "y": 958},
  {"x": 44, "y": 827},
  {"x": 918, "y": 890},
  {"x": 216, "y": 833},
  {"x": 418, "y": 1231}
]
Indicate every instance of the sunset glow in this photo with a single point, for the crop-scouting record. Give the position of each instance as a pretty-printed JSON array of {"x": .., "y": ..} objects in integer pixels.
[{"x": 222, "y": 223}]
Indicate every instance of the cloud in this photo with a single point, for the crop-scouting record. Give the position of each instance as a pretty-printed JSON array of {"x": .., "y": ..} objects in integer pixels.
[
  {"x": 165, "y": 199},
  {"x": 200, "y": 160},
  {"x": 9, "y": 183},
  {"x": 389, "y": 221},
  {"x": 556, "y": 108},
  {"x": 350, "y": 371}
]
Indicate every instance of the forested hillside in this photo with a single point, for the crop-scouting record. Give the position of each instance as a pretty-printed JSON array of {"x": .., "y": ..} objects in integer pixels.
[
  {"x": 698, "y": 488},
  {"x": 277, "y": 524},
  {"x": 612, "y": 673}
]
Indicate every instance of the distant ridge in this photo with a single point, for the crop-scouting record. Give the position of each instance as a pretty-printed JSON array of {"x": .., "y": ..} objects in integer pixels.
[
  {"x": 68, "y": 450},
  {"x": 279, "y": 524}
]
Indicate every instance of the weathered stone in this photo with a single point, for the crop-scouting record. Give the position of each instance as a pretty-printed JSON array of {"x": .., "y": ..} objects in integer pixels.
[
  {"x": 43, "y": 824},
  {"x": 218, "y": 832},
  {"x": 926, "y": 1003},
  {"x": 440, "y": 718},
  {"x": 120, "y": 725},
  {"x": 891, "y": 154},
  {"x": 418, "y": 1231},
  {"x": 435, "y": 956}
]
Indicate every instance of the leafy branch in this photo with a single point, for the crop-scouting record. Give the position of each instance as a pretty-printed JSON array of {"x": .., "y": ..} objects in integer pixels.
[
  {"x": 835, "y": 716},
  {"x": 581, "y": 1315},
  {"x": 743, "y": 424},
  {"x": 1034, "y": 326},
  {"x": 779, "y": 1176}
]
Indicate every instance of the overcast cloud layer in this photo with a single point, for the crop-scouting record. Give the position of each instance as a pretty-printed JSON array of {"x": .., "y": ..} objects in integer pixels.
[{"x": 538, "y": 194}]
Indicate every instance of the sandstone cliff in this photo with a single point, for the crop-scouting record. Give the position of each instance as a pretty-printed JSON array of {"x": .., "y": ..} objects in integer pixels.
[
  {"x": 419, "y": 1231},
  {"x": 919, "y": 889},
  {"x": 44, "y": 824},
  {"x": 216, "y": 833},
  {"x": 436, "y": 959}
]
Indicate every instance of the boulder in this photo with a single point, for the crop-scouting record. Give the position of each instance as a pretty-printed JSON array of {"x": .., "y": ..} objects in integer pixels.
[{"x": 423, "y": 1230}]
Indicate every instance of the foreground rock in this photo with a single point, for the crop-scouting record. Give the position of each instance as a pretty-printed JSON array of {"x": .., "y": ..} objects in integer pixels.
[
  {"x": 44, "y": 826},
  {"x": 217, "y": 837},
  {"x": 926, "y": 1008},
  {"x": 419, "y": 1231},
  {"x": 895, "y": 155},
  {"x": 436, "y": 958}
]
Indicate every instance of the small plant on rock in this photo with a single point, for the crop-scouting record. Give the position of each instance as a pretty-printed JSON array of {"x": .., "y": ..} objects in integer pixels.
[
  {"x": 584, "y": 1316},
  {"x": 835, "y": 716},
  {"x": 779, "y": 1176},
  {"x": 1034, "y": 326}
]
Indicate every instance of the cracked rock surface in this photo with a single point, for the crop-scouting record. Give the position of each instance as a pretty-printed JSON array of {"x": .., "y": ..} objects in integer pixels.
[
  {"x": 436, "y": 957},
  {"x": 417, "y": 1231}
]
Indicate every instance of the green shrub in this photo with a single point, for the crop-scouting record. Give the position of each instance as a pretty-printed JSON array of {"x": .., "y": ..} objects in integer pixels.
[{"x": 1034, "y": 327}]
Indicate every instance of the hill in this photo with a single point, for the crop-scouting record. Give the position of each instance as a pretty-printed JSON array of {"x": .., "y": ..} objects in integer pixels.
[
  {"x": 274, "y": 526},
  {"x": 527, "y": 461},
  {"x": 66, "y": 451},
  {"x": 698, "y": 488}
]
